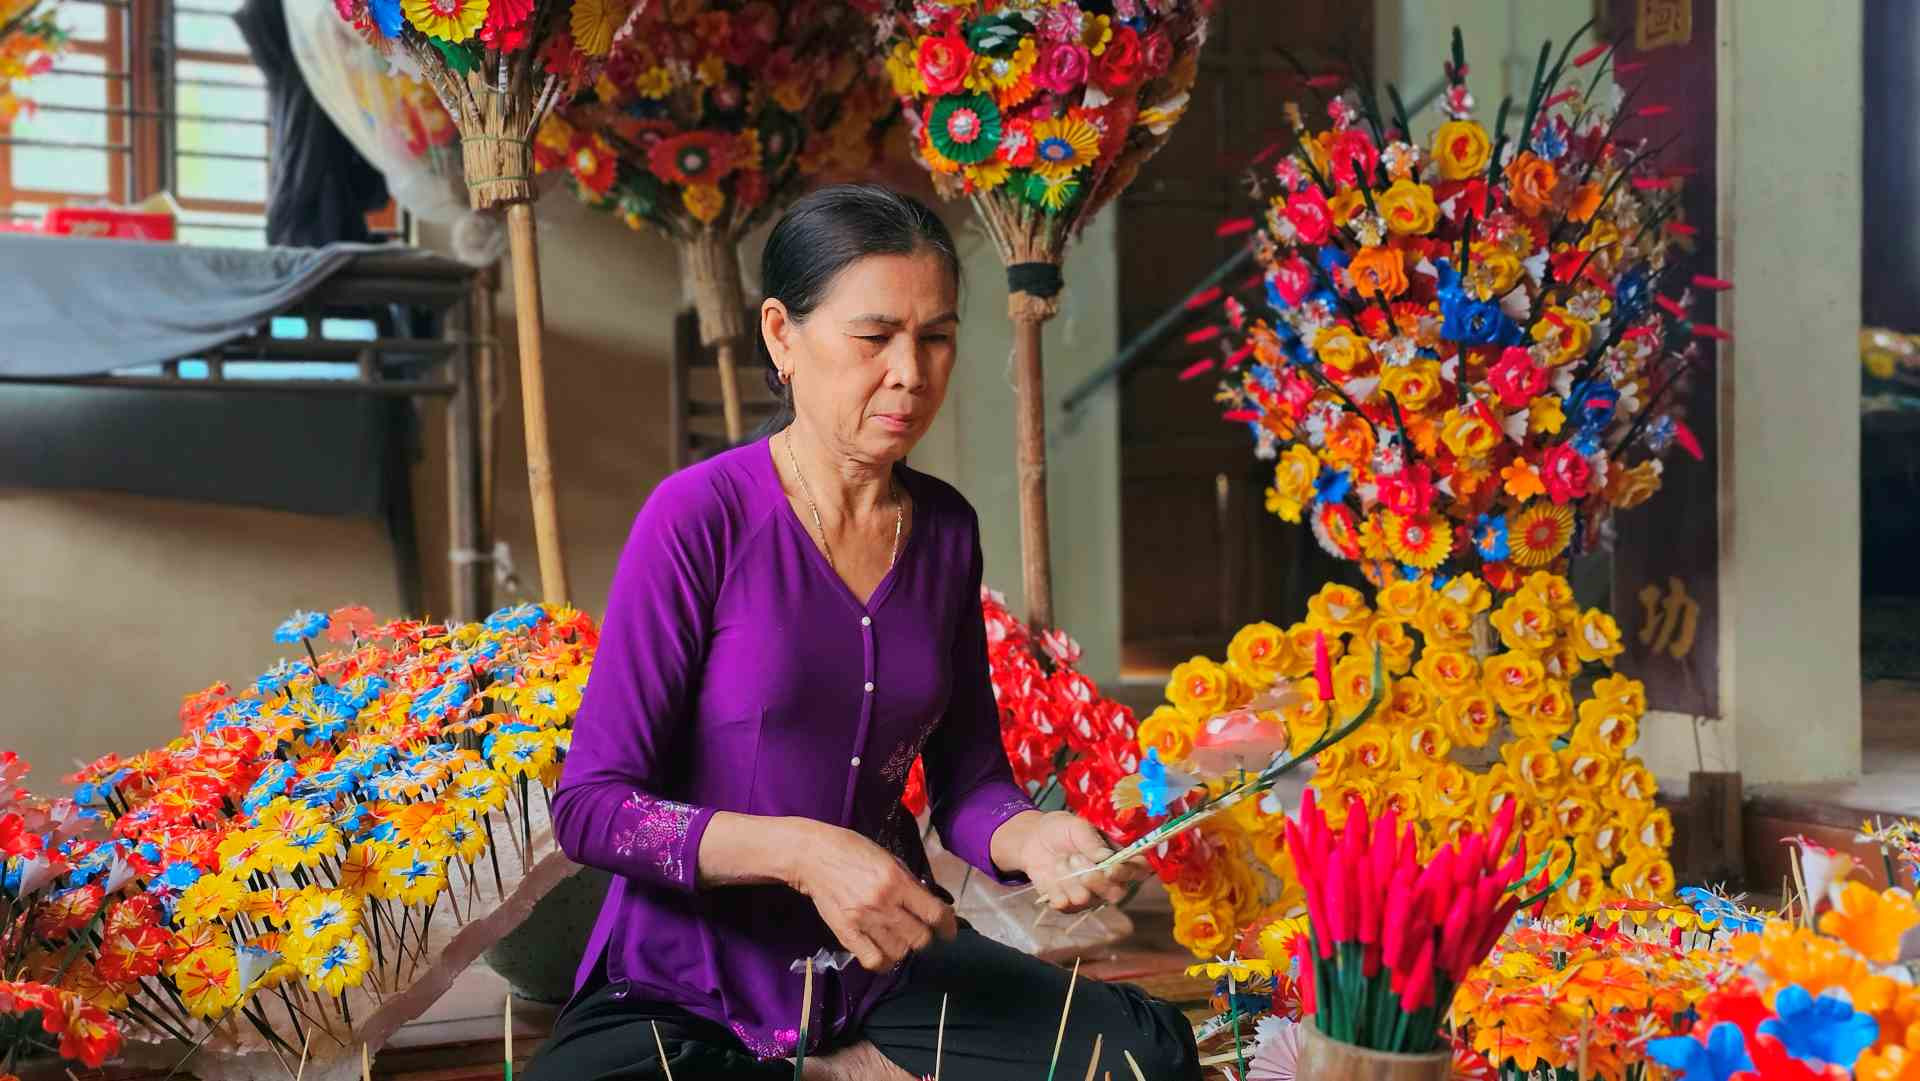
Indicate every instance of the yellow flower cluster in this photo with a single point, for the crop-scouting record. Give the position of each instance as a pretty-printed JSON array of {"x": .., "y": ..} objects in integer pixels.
[{"x": 1481, "y": 710}]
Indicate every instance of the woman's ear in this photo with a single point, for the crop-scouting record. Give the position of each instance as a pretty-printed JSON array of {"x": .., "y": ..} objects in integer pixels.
[{"x": 777, "y": 328}]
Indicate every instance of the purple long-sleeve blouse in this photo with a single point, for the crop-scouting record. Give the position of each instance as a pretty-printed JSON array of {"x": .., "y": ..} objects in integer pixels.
[{"x": 737, "y": 672}]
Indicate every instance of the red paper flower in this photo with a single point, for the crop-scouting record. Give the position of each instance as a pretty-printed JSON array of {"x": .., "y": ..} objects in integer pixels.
[
  {"x": 1118, "y": 67},
  {"x": 1408, "y": 493},
  {"x": 944, "y": 63},
  {"x": 1063, "y": 67},
  {"x": 1516, "y": 378},
  {"x": 1348, "y": 147},
  {"x": 1292, "y": 278},
  {"x": 702, "y": 157},
  {"x": 1566, "y": 472},
  {"x": 592, "y": 163},
  {"x": 1156, "y": 55},
  {"x": 1311, "y": 217}
]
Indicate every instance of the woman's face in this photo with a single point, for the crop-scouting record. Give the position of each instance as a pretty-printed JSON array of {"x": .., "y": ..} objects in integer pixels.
[{"x": 869, "y": 366}]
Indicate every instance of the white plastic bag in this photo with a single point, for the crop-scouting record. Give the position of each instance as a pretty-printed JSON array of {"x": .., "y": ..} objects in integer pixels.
[{"x": 395, "y": 121}]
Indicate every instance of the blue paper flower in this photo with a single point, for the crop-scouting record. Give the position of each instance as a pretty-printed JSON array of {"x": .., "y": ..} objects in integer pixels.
[
  {"x": 434, "y": 702},
  {"x": 1631, "y": 295},
  {"x": 1332, "y": 485},
  {"x": 1723, "y": 1055},
  {"x": 275, "y": 679},
  {"x": 1550, "y": 143},
  {"x": 1490, "y": 537},
  {"x": 299, "y": 627},
  {"x": 1823, "y": 1029},
  {"x": 1713, "y": 907},
  {"x": 519, "y": 617},
  {"x": 1158, "y": 786},
  {"x": 386, "y": 15},
  {"x": 1469, "y": 321}
]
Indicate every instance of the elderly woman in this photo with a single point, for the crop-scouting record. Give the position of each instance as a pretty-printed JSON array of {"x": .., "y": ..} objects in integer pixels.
[{"x": 792, "y": 623}]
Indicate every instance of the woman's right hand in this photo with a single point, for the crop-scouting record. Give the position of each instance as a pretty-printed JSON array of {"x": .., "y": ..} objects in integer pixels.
[{"x": 879, "y": 912}]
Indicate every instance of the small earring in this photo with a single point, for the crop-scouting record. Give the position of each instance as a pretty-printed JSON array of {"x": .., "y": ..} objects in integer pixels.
[{"x": 786, "y": 376}]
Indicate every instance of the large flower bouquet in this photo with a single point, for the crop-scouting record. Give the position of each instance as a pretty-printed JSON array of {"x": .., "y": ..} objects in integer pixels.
[
  {"x": 29, "y": 41},
  {"x": 710, "y": 117},
  {"x": 1040, "y": 112},
  {"x": 312, "y": 840},
  {"x": 1472, "y": 344},
  {"x": 1464, "y": 731}
]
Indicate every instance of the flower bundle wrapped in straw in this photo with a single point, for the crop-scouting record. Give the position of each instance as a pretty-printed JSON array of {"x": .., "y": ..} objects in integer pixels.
[
  {"x": 29, "y": 42},
  {"x": 1471, "y": 345},
  {"x": 1392, "y": 937},
  {"x": 499, "y": 66},
  {"x": 1040, "y": 112},
  {"x": 708, "y": 118},
  {"x": 314, "y": 845}
]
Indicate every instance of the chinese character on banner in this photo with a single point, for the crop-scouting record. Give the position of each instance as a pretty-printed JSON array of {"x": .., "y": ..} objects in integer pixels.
[
  {"x": 1660, "y": 23},
  {"x": 1669, "y": 620}
]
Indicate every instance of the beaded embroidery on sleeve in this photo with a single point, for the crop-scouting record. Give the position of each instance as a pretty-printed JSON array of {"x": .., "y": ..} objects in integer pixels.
[{"x": 655, "y": 830}]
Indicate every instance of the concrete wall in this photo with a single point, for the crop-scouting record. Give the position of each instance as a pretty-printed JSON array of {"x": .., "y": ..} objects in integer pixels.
[
  {"x": 1789, "y": 454},
  {"x": 118, "y": 605}
]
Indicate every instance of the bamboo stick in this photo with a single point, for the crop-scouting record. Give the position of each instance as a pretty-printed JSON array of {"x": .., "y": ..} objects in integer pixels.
[
  {"x": 533, "y": 391},
  {"x": 1036, "y": 557}
]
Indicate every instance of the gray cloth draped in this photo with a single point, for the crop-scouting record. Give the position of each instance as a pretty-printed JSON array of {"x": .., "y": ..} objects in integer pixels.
[{"x": 81, "y": 306}]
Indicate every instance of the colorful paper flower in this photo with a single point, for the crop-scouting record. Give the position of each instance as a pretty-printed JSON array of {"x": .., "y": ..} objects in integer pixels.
[
  {"x": 1539, "y": 534},
  {"x": 1718, "y": 1058},
  {"x": 448, "y": 20},
  {"x": 1063, "y": 145},
  {"x": 593, "y": 23},
  {"x": 966, "y": 128}
]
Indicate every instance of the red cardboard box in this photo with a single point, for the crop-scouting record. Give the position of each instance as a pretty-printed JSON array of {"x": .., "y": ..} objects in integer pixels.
[{"x": 108, "y": 222}]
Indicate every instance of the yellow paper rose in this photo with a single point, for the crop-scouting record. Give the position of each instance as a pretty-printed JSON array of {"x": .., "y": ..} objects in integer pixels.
[
  {"x": 1565, "y": 335},
  {"x": 1168, "y": 731},
  {"x": 1470, "y": 719},
  {"x": 1340, "y": 348},
  {"x": 1514, "y": 680},
  {"x": 1261, "y": 652},
  {"x": 1468, "y": 435},
  {"x": 1461, "y": 148},
  {"x": 1597, "y": 637},
  {"x": 1402, "y": 599},
  {"x": 1525, "y": 623},
  {"x": 1414, "y": 386},
  {"x": 1449, "y": 673},
  {"x": 1293, "y": 477},
  {"x": 1199, "y": 688},
  {"x": 1396, "y": 646},
  {"x": 1337, "y": 609},
  {"x": 1409, "y": 208}
]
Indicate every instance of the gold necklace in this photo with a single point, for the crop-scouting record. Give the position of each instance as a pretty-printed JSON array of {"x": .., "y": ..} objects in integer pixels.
[{"x": 899, "y": 510}]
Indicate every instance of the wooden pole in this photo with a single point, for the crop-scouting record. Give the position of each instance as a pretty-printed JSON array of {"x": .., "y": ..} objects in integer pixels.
[
  {"x": 463, "y": 473},
  {"x": 533, "y": 394},
  {"x": 486, "y": 358},
  {"x": 1036, "y": 560}
]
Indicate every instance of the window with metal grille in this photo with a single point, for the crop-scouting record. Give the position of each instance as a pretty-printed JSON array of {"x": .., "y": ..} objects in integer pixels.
[{"x": 152, "y": 95}]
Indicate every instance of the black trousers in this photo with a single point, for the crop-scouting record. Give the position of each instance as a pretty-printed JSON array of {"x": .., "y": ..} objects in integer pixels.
[{"x": 1003, "y": 1012}]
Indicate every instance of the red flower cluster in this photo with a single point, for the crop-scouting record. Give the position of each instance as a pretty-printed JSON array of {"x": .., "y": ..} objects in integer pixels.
[
  {"x": 86, "y": 1033},
  {"x": 1059, "y": 732}
]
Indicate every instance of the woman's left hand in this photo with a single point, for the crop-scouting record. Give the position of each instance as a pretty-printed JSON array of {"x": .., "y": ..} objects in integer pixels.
[{"x": 1051, "y": 847}]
